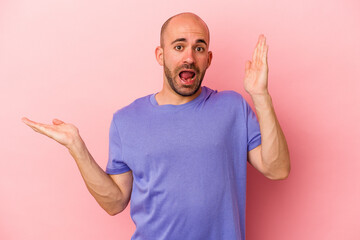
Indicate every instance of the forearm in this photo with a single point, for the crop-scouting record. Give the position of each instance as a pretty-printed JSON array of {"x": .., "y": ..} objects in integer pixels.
[
  {"x": 104, "y": 189},
  {"x": 274, "y": 150},
  {"x": 100, "y": 185}
]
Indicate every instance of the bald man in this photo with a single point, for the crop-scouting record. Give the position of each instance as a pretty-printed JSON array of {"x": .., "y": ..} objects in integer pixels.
[{"x": 181, "y": 153}]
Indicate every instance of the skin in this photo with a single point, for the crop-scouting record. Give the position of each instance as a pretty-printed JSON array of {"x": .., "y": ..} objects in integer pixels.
[
  {"x": 271, "y": 158},
  {"x": 185, "y": 43},
  {"x": 185, "y": 46},
  {"x": 112, "y": 192}
]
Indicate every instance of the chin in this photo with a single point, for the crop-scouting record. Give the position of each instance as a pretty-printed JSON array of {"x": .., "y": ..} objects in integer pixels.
[{"x": 187, "y": 91}]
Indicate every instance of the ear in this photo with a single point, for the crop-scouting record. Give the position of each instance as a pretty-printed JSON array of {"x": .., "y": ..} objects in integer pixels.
[
  {"x": 159, "y": 54},
  {"x": 209, "y": 58}
]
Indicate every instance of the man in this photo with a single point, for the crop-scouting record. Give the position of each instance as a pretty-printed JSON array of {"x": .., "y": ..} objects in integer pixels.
[{"x": 181, "y": 153}]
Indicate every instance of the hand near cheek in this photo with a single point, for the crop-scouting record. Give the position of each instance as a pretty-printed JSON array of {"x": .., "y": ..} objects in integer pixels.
[
  {"x": 64, "y": 133},
  {"x": 256, "y": 71}
]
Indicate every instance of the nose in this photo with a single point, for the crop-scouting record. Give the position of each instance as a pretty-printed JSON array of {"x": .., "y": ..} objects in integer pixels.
[{"x": 189, "y": 56}]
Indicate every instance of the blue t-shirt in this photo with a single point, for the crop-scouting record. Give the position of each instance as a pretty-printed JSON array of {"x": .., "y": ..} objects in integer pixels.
[{"x": 188, "y": 163}]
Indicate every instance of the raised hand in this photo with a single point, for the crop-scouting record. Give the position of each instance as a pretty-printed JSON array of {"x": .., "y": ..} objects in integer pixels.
[
  {"x": 256, "y": 71},
  {"x": 64, "y": 133}
]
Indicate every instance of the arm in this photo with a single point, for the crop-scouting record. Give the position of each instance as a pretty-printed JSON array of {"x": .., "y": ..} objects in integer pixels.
[
  {"x": 112, "y": 192},
  {"x": 271, "y": 158}
]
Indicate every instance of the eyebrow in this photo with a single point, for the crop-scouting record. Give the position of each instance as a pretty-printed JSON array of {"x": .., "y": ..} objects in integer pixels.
[{"x": 184, "y": 40}]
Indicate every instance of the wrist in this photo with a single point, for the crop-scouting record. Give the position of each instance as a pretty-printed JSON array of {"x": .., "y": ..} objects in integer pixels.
[
  {"x": 77, "y": 147},
  {"x": 262, "y": 101}
]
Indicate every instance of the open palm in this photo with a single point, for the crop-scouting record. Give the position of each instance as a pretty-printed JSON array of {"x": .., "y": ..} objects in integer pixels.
[
  {"x": 64, "y": 133},
  {"x": 256, "y": 71}
]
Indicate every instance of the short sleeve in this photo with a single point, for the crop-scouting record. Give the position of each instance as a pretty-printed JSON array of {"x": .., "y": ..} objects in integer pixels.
[
  {"x": 115, "y": 163},
  {"x": 253, "y": 129}
]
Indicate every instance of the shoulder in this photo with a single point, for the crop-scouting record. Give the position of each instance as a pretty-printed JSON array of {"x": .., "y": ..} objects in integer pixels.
[
  {"x": 133, "y": 109},
  {"x": 231, "y": 95},
  {"x": 226, "y": 97},
  {"x": 230, "y": 101}
]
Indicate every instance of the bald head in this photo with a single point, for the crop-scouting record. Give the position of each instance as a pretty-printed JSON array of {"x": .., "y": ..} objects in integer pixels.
[{"x": 176, "y": 20}]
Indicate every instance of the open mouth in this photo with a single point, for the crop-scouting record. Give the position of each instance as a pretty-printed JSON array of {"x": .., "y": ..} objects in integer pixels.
[{"x": 187, "y": 76}]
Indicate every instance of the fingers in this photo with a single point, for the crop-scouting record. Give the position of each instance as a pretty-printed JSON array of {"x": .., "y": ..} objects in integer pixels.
[
  {"x": 264, "y": 58},
  {"x": 36, "y": 124},
  {"x": 29, "y": 122},
  {"x": 261, "y": 50},
  {"x": 264, "y": 51},
  {"x": 254, "y": 57},
  {"x": 25, "y": 120},
  {"x": 59, "y": 131},
  {"x": 258, "y": 50},
  {"x": 263, "y": 44},
  {"x": 37, "y": 127}
]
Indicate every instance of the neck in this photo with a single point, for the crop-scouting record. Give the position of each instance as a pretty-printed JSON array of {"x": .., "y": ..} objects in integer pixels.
[{"x": 169, "y": 96}]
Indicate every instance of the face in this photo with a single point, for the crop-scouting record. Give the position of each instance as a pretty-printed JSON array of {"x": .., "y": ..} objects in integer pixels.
[{"x": 185, "y": 54}]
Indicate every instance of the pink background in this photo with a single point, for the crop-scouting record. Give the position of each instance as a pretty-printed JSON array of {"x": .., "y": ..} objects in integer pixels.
[{"x": 80, "y": 61}]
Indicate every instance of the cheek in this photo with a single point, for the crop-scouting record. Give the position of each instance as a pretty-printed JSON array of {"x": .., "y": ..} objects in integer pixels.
[
  {"x": 203, "y": 62},
  {"x": 175, "y": 57}
]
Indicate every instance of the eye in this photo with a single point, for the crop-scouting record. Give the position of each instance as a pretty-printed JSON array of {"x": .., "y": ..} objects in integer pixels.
[
  {"x": 178, "y": 47},
  {"x": 199, "y": 49}
]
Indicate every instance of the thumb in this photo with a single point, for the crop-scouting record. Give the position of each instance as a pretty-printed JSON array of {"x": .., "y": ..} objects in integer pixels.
[
  {"x": 57, "y": 121},
  {"x": 247, "y": 65}
]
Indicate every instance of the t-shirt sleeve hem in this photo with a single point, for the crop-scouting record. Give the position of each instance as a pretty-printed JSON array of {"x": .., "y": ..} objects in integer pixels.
[
  {"x": 254, "y": 144},
  {"x": 112, "y": 171}
]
